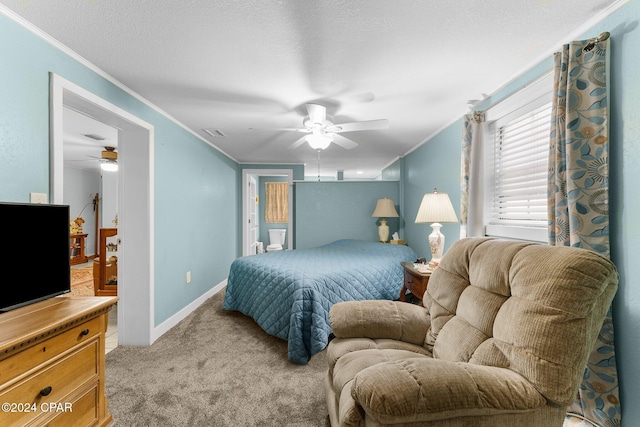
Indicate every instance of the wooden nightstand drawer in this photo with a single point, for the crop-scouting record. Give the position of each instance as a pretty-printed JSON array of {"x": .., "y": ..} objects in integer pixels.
[
  {"x": 47, "y": 349},
  {"x": 415, "y": 285},
  {"x": 53, "y": 384},
  {"x": 414, "y": 281}
]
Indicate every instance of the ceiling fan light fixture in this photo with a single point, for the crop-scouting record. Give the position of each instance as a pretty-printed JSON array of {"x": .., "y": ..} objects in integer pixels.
[
  {"x": 319, "y": 141},
  {"x": 109, "y": 166}
]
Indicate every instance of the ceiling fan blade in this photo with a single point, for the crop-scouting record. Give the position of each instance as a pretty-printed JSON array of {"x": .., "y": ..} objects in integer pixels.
[
  {"x": 317, "y": 113},
  {"x": 298, "y": 143},
  {"x": 365, "y": 125},
  {"x": 343, "y": 142}
]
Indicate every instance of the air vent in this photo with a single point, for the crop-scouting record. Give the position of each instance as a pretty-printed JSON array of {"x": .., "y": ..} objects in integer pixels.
[
  {"x": 216, "y": 133},
  {"x": 95, "y": 137}
]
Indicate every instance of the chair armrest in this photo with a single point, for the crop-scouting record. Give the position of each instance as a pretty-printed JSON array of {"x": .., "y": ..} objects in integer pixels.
[
  {"x": 426, "y": 389},
  {"x": 380, "y": 319}
]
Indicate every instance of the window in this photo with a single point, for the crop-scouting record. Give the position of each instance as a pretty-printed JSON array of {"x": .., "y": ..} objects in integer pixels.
[
  {"x": 518, "y": 154},
  {"x": 277, "y": 203}
]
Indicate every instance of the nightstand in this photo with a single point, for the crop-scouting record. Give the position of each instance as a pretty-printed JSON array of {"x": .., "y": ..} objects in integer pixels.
[{"x": 414, "y": 281}]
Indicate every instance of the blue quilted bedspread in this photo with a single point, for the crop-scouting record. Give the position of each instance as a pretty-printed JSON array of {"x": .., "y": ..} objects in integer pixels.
[{"x": 289, "y": 293}]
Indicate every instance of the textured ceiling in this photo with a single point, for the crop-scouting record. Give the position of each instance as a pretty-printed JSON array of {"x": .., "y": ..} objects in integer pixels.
[{"x": 237, "y": 65}]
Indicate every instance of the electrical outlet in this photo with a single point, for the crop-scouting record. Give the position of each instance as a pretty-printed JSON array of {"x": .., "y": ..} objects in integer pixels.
[
  {"x": 188, "y": 277},
  {"x": 38, "y": 197}
]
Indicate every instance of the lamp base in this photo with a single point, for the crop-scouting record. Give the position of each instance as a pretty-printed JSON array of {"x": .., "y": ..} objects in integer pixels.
[
  {"x": 436, "y": 242},
  {"x": 383, "y": 231}
]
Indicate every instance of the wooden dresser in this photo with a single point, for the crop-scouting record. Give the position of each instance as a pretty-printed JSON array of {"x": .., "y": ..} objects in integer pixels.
[{"x": 52, "y": 363}]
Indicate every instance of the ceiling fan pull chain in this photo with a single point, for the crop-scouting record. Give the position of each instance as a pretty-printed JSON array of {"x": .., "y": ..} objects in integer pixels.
[{"x": 318, "y": 165}]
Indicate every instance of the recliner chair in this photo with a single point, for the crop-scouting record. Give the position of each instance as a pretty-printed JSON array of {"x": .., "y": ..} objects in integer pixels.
[{"x": 502, "y": 340}]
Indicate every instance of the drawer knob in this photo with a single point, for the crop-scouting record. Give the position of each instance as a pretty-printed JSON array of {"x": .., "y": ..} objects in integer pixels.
[
  {"x": 46, "y": 391},
  {"x": 84, "y": 332}
]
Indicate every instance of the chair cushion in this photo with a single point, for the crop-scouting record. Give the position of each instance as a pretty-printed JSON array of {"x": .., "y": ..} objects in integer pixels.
[
  {"x": 340, "y": 347},
  {"x": 420, "y": 389}
]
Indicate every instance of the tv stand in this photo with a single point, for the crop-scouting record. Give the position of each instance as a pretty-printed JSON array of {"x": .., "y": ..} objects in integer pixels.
[{"x": 52, "y": 362}]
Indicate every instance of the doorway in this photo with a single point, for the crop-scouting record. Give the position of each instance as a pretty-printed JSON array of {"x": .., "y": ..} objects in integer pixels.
[
  {"x": 135, "y": 201},
  {"x": 250, "y": 217}
]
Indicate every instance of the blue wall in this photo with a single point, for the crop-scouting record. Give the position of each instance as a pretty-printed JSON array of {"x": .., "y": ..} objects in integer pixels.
[
  {"x": 437, "y": 163},
  {"x": 196, "y": 187},
  {"x": 328, "y": 211}
]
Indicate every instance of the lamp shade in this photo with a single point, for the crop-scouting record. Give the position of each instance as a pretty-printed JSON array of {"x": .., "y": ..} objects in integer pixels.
[
  {"x": 436, "y": 207},
  {"x": 385, "y": 209}
]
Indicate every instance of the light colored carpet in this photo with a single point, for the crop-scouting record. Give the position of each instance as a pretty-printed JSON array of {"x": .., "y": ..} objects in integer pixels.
[
  {"x": 82, "y": 281},
  {"x": 215, "y": 368}
]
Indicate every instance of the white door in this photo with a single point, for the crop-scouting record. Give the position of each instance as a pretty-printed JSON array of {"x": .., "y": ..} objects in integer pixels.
[{"x": 252, "y": 217}]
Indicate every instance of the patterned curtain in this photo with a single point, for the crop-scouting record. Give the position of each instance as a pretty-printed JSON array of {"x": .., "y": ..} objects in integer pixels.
[
  {"x": 277, "y": 203},
  {"x": 578, "y": 201},
  {"x": 470, "y": 188}
]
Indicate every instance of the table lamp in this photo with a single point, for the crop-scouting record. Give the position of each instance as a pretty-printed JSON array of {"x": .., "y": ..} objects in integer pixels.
[
  {"x": 436, "y": 208},
  {"x": 384, "y": 209}
]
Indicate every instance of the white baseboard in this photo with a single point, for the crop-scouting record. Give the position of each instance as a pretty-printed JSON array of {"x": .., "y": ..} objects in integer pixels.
[{"x": 162, "y": 328}]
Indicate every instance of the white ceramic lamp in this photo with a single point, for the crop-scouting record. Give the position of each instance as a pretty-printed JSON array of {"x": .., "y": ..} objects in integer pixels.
[
  {"x": 436, "y": 208},
  {"x": 384, "y": 209}
]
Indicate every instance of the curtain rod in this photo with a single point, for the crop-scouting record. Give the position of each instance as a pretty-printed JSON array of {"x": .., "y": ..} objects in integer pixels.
[{"x": 593, "y": 42}]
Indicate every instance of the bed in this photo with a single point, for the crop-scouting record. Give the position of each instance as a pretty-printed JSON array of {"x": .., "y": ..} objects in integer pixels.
[{"x": 289, "y": 293}]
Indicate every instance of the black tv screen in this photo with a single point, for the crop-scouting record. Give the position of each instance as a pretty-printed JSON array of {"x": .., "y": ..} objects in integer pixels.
[{"x": 36, "y": 262}]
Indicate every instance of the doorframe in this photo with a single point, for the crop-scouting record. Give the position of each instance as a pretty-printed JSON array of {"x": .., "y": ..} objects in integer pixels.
[
  {"x": 245, "y": 207},
  {"x": 135, "y": 201},
  {"x": 252, "y": 212}
]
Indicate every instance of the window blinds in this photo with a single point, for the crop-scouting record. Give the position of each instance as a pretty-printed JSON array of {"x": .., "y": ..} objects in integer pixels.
[{"x": 521, "y": 156}]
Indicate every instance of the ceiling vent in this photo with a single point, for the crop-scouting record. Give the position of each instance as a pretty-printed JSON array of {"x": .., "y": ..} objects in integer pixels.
[
  {"x": 95, "y": 137},
  {"x": 216, "y": 133}
]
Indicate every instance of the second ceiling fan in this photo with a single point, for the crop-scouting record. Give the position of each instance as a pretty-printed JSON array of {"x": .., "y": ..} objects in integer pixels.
[
  {"x": 322, "y": 131},
  {"x": 108, "y": 159}
]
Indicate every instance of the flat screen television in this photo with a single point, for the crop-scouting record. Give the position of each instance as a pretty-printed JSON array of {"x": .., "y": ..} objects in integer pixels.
[{"x": 36, "y": 261}]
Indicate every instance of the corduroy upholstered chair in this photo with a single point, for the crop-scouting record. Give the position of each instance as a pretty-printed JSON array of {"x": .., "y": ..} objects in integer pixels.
[{"x": 502, "y": 340}]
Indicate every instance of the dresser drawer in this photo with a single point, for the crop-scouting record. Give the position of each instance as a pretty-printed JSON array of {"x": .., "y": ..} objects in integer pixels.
[
  {"x": 53, "y": 383},
  {"x": 84, "y": 411},
  {"x": 47, "y": 349}
]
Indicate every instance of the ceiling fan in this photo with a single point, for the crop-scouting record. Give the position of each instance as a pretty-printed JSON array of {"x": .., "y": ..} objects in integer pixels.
[
  {"x": 322, "y": 131},
  {"x": 108, "y": 159}
]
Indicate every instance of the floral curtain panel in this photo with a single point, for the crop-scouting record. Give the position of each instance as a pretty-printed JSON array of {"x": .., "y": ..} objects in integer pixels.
[
  {"x": 578, "y": 200},
  {"x": 470, "y": 188},
  {"x": 277, "y": 203}
]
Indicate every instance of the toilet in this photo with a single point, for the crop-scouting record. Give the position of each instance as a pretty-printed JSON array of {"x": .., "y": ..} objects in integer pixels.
[{"x": 276, "y": 239}]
